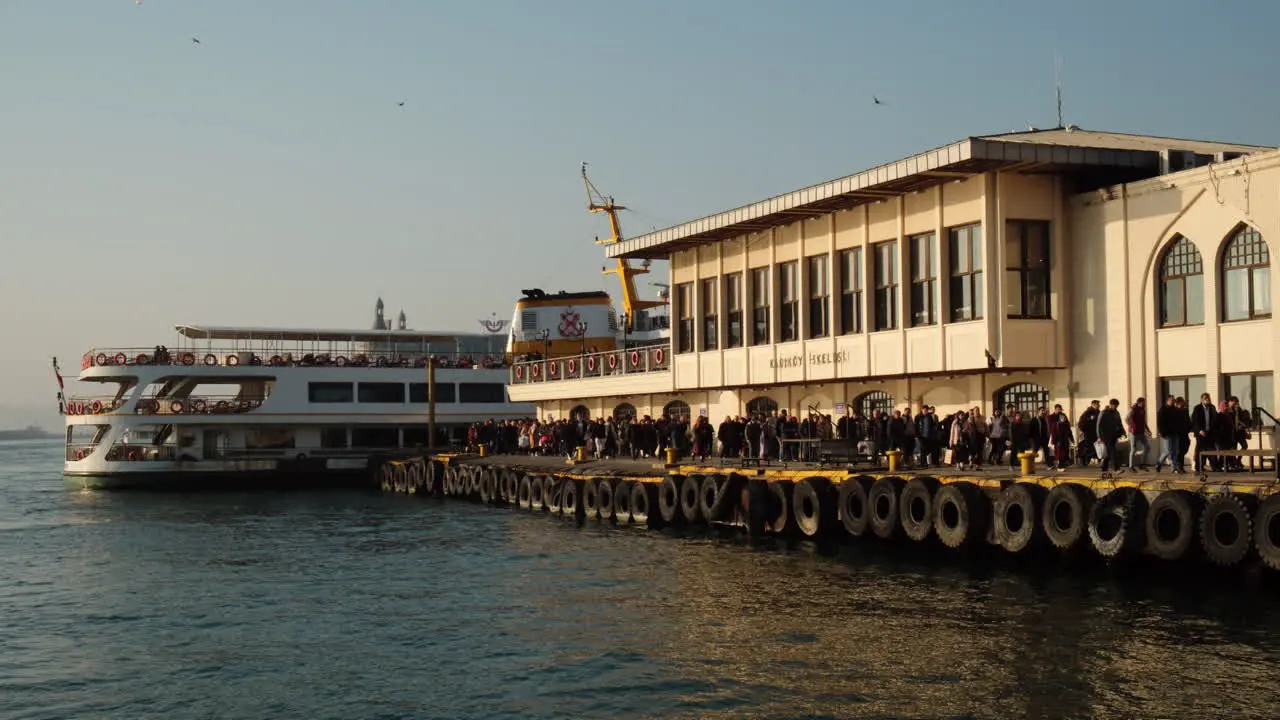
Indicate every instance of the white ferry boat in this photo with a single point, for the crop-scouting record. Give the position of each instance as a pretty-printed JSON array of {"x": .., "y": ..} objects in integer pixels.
[{"x": 254, "y": 407}]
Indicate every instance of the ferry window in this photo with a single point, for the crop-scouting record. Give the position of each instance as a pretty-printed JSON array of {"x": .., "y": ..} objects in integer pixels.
[
  {"x": 924, "y": 280},
  {"x": 375, "y": 437},
  {"x": 851, "y": 291},
  {"x": 333, "y": 437},
  {"x": 529, "y": 320},
  {"x": 684, "y": 331},
  {"x": 482, "y": 392},
  {"x": 1246, "y": 281},
  {"x": 330, "y": 392},
  {"x": 445, "y": 393},
  {"x": 886, "y": 276},
  {"x": 789, "y": 295},
  {"x": 1027, "y": 268},
  {"x": 819, "y": 294},
  {"x": 760, "y": 306},
  {"x": 733, "y": 309},
  {"x": 1181, "y": 285},
  {"x": 709, "y": 303},
  {"x": 965, "y": 255},
  {"x": 381, "y": 392}
]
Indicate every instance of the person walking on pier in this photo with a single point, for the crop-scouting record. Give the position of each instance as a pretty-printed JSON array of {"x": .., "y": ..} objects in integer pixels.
[
  {"x": 1087, "y": 449},
  {"x": 977, "y": 437},
  {"x": 998, "y": 427},
  {"x": 1040, "y": 435},
  {"x": 1060, "y": 436},
  {"x": 1139, "y": 434},
  {"x": 1167, "y": 428},
  {"x": 1203, "y": 421},
  {"x": 1110, "y": 430},
  {"x": 1182, "y": 433},
  {"x": 1021, "y": 438}
]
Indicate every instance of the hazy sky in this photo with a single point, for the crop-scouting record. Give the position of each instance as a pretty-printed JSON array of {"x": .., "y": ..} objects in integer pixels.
[{"x": 266, "y": 176}]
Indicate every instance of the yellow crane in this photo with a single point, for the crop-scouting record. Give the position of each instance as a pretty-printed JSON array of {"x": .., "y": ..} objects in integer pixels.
[{"x": 631, "y": 302}]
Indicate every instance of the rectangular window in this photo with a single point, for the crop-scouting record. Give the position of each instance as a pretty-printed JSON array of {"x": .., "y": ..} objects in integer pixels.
[
  {"x": 684, "y": 329},
  {"x": 819, "y": 297},
  {"x": 885, "y": 255},
  {"x": 851, "y": 291},
  {"x": 330, "y": 392},
  {"x": 333, "y": 437},
  {"x": 760, "y": 306},
  {"x": 1027, "y": 263},
  {"x": 924, "y": 280},
  {"x": 709, "y": 303},
  {"x": 375, "y": 437},
  {"x": 733, "y": 309},
  {"x": 445, "y": 393},
  {"x": 1253, "y": 390},
  {"x": 381, "y": 392},
  {"x": 482, "y": 392},
  {"x": 1190, "y": 388},
  {"x": 964, "y": 250},
  {"x": 789, "y": 297},
  {"x": 529, "y": 320}
]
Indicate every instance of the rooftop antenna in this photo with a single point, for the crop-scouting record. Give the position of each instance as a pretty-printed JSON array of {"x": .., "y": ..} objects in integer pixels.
[{"x": 1057, "y": 84}]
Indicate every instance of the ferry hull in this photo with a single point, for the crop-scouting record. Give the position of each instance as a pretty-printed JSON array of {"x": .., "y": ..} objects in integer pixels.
[{"x": 229, "y": 480}]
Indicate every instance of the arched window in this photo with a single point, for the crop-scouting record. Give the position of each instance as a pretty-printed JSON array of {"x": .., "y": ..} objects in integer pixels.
[
  {"x": 1024, "y": 397},
  {"x": 869, "y": 402},
  {"x": 676, "y": 409},
  {"x": 1246, "y": 276},
  {"x": 1181, "y": 285},
  {"x": 580, "y": 413},
  {"x": 762, "y": 405},
  {"x": 624, "y": 410}
]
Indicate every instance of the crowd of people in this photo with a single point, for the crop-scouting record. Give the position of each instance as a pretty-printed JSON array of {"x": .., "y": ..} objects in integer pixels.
[{"x": 965, "y": 439}]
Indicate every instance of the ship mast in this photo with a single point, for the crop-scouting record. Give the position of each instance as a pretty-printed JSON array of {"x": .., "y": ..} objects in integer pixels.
[{"x": 631, "y": 302}]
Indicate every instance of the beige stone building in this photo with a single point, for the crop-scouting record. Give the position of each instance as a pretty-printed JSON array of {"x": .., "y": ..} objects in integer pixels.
[{"x": 1054, "y": 266}]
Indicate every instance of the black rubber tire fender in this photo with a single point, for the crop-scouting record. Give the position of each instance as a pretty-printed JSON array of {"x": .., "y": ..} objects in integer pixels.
[
  {"x": 1117, "y": 523},
  {"x": 854, "y": 513},
  {"x": 669, "y": 499},
  {"x": 622, "y": 502},
  {"x": 525, "y": 497},
  {"x": 605, "y": 497},
  {"x": 961, "y": 514},
  {"x": 399, "y": 478},
  {"x": 644, "y": 500},
  {"x": 1065, "y": 515},
  {"x": 571, "y": 494},
  {"x": 551, "y": 494},
  {"x": 779, "y": 517},
  {"x": 590, "y": 499},
  {"x": 1266, "y": 531},
  {"x": 435, "y": 479},
  {"x": 813, "y": 506},
  {"x": 690, "y": 492},
  {"x": 473, "y": 481},
  {"x": 450, "y": 479},
  {"x": 1173, "y": 523},
  {"x": 486, "y": 487},
  {"x": 509, "y": 487},
  {"x": 714, "y": 498},
  {"x": 882, "y": 501},
  {"x": 757, "y": 507},
  {"x": 916, "y": 507},
  {"x": 1016, "y": 513},
  {"x": 535, "y": 493},
  {"x": 1226, "y": 528}
]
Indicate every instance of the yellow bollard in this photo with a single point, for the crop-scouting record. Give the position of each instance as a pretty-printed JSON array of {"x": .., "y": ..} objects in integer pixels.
[
  {"x": 1028, "y": 460},
  {"x": 484, "y": 449},
  {"x": 581, "y": 455},
  {"x": 671, "y": 455},
  {"x": 895, "y": 457}
]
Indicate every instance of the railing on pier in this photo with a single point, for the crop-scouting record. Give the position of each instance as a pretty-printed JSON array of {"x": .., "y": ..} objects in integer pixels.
[
  {"x": 233, "y": 357},
  {"x": 610, "y": 363}
]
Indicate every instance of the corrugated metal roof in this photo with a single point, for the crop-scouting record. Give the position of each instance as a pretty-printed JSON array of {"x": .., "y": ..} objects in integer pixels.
[
  {"x": 1120, "y": 141},
  {"x": 214, "y": 332}
]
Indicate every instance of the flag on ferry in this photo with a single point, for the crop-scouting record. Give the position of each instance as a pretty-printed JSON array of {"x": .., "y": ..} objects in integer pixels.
[{"x": 58, "y": 374}]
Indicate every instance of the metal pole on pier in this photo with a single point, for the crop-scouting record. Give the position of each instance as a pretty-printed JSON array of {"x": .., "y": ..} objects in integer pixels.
[{"x": 431, "y": 402}]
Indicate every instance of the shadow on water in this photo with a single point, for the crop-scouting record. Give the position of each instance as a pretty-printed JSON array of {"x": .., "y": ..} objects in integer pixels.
[{"x": 357, "y": 605}]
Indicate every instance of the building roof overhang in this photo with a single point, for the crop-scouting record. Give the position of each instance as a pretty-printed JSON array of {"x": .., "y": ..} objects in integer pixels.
[{"x": 1114, "y": 157}]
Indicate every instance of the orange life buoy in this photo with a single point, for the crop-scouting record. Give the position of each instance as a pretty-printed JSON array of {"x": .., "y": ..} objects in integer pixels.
[
  {"x": 658, "y": 355},
  {"x": 591, "y": 364},
  {"x": 276, "y": 360},
  {"x": 188, "y": 358},
  {"x": 121, "y": 358},
  {"x": 210, "y": 359},
  {"x": 97, "y": 407},
  {"x": 613, "y": 362},
  {"x": 198, "y": 406},
  {"x": 70, "y": 409},
  {"x": 519, "y": 372},
  {"x": 134, "y": 454},
  {"x": 635, "y": 358},
  {"x": 553, "y": 368},
  {"x": 101, "y": 359},
  {"x": 573, "y": 366},
  {"x": 175, "y": 407},
  {"x": 80, "y": 454},
  {"x": 79, "y": 408},
  {"x": 233, "y": 360},
  {"x": 535, "y": 370},
  {"x": 142, "y": 359}
]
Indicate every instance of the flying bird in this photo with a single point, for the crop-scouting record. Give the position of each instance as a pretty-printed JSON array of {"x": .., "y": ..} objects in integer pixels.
[
  {"x": 195, "y": 40},
  {"x": 401, "y": 104},
  {"x": 877, "y": 100}
]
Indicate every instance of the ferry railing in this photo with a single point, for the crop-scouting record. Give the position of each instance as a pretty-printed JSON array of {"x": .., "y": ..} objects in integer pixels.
[
  {"x": 194, "y": 405},
  {"x": 142, "y": 452},
  {"x": 91, "y": 405},
  {"x": 233, "y": 357},
  {"x": 79, "y": 451},
  {"x": 609, "y": 363}
]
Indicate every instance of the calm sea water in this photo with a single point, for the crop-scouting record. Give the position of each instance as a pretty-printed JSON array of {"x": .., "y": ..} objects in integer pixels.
[{"x": 354, "y": 605}]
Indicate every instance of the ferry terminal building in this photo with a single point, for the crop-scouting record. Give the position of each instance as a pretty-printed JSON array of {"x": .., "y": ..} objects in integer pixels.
[{"x": 1054, "y": 266}]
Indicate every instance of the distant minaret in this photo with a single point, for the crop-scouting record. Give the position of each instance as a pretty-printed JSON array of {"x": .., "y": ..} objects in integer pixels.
[
  {"x": 401, "y": 323},
  {"x": 379, "y": 323}
]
